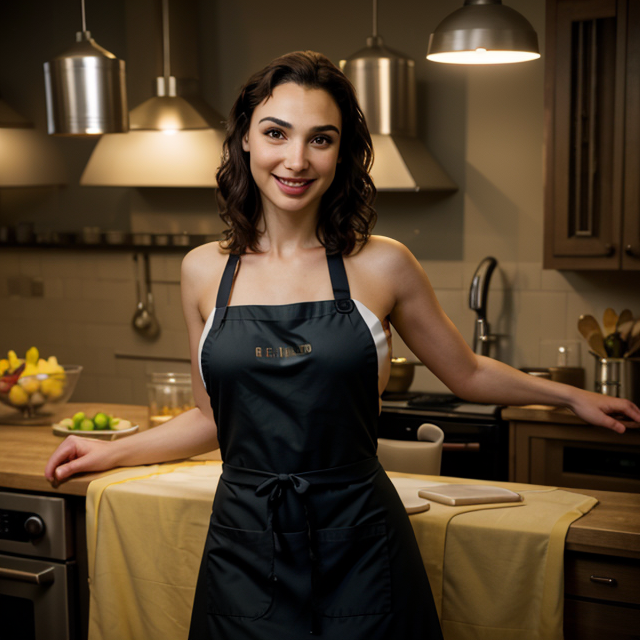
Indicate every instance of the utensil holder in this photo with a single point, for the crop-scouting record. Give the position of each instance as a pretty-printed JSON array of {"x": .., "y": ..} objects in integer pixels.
[{"x": 618, "y": 377}]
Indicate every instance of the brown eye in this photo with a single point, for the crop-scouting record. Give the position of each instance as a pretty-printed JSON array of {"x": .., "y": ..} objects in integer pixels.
[{"x": 274, "y": 133}]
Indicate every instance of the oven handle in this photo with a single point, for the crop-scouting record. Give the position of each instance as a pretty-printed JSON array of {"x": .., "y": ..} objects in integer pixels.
[
  {"x": 42, "y": 577},
  {"x": 461, "y": 446}
]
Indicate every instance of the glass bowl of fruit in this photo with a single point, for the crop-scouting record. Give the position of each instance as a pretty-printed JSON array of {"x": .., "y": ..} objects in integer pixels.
[{"x": 33, "y": 389}]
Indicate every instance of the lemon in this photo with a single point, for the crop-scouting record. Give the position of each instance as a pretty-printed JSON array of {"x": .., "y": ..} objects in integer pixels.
[
  {"x": 29, "y": 370},
  {"x": 30, "y": 384},
  {"x": 32, "y": 356},
  {"x": 4, "y": 365},
  {"x": 18, "y": 397},
  {"x": 52, "y": 388},
  {"x": 14, "y": 361}
]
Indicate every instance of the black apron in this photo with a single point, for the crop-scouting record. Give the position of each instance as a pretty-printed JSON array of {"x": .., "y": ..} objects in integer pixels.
[{"x": 308, "y": 534}]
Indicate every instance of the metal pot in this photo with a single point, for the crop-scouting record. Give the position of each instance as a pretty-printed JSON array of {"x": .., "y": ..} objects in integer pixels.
[{"x": 402, "y": 372}]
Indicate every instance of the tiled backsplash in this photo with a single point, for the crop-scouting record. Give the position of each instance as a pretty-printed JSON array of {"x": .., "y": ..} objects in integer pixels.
[{"x": 89, "y": 298}]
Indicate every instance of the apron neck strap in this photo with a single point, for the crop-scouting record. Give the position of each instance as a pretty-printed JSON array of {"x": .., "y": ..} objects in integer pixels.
[
  {"x": 224, "y": 290},
  {"x": 340, "y": 283}
]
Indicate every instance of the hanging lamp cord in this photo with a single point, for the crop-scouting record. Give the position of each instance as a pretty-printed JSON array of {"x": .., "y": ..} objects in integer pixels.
[
  {"x": 375, "y": 18},
  {"x": 165, "y": 39},
  {"x": 84, "y": 18}
]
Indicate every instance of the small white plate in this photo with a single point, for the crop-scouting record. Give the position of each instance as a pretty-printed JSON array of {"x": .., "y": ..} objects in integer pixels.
[{"x": 106, "y": 434}]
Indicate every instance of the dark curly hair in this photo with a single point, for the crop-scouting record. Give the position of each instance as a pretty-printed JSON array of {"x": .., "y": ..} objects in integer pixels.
[{"x": 346, "y": 213}]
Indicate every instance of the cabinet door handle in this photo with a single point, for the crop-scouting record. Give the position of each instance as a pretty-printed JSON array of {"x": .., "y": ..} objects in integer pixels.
[
  {"x": 630, "y": 251},
  {"x": 612, "y": 582}
]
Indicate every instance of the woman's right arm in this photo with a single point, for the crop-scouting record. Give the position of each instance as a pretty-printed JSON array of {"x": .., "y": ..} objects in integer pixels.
[{"x": 188, "y": 434}]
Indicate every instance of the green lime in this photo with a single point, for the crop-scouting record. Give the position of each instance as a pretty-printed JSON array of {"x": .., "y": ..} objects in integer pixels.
[
  {"x": 78, "y": 418},
  {"x": 101, "y": 421},
  {"x": 113, "y": 422},
  {"x": 86, "y": 425}
]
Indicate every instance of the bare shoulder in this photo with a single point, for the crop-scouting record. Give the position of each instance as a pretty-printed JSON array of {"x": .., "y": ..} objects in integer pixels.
[
  {"x": 204, "y": 262},
  {"x": 384, "y": 255},
  {"x": 201, "y": 272}
]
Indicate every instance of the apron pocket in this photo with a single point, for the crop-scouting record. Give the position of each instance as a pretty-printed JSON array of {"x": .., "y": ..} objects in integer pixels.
[
  {"x": 354, "y": 575},
  {"x": 239, "y": 565}
]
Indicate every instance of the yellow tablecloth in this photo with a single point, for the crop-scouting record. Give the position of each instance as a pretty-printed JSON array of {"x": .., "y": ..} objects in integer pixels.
[{"x": 498, "y": 577}]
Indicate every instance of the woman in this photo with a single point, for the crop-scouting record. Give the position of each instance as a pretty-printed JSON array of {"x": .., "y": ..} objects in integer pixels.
[{"x": 307, "y": 533}]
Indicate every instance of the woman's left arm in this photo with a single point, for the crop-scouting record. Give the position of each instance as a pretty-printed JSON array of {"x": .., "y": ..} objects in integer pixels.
[{"x": 432, "y": 337}]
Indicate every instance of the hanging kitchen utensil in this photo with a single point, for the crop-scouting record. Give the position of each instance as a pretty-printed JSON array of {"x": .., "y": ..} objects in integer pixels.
[
  {"x": 141, "y": 319},
  {"x": 153, "y": 330},
  {"x": 609, "y": 321}
]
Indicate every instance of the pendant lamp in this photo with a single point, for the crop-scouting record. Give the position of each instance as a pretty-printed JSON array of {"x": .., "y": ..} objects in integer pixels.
[
  {"x": 85, "y": 89},
  {"x": 385, "y": 84},
  {"x": 148, "y": 156},
  {"x": 483, "y": 32},
  {"x": 167, "y": 111}
]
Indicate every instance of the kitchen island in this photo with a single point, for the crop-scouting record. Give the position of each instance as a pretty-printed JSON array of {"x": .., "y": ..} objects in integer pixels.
[{"x": 604, "y": 544}]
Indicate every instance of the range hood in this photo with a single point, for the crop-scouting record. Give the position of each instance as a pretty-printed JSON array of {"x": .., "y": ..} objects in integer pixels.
[{"x": 385, "y": 84}]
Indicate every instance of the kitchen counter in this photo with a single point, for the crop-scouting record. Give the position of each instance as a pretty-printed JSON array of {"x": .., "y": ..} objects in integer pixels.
[
  {"x": 24, "y": 451},
  {"x": 544, "y": 413},
  {"x": 612, "y": 527}
]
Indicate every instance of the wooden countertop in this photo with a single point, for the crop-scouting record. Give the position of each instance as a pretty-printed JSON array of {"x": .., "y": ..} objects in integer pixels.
[
  {"x": 546, "y": 414},
  {"x": 541, "y": 413},
  {"x": 612, "y": 527}
]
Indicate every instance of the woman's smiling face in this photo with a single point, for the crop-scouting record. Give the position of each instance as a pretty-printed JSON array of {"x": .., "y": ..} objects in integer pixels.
[{"x": 293, "y": 143}]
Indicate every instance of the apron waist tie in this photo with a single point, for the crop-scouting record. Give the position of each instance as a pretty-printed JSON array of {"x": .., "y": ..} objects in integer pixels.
[{"x": 275, "y": 484}]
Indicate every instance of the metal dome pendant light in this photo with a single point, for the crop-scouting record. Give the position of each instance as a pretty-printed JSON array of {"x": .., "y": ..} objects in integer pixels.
[
  {"x": 85, "y": 89},
  {"x": 167, "y": 111},
  {"x": 385, "y": 83},
  {"x": 483, "y": 32}
]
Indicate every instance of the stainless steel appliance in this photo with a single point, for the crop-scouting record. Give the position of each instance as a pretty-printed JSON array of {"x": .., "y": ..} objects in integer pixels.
[
  {"x": 476, "y": 439},
  {"x": 38, "y": 572}
]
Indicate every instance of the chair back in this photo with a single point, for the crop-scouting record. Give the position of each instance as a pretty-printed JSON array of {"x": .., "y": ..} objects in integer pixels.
[{"x": 410, "y": 456}]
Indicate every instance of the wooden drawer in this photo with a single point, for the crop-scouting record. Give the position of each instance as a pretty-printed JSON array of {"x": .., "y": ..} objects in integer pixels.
[
  {"x": 602, "y": 577},
  {"x": 600, "y": 621}
]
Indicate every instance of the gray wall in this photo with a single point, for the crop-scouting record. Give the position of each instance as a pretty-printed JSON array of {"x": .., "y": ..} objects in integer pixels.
[{"x": 484, "y": 125}]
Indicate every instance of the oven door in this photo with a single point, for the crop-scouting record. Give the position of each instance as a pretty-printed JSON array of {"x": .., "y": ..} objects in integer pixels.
[{"x": 34, "y": 602}]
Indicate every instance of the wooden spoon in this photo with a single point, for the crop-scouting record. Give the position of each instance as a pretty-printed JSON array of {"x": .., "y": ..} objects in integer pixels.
[
  {"x": 634, "y": 346},
  {"x": 587, "y": 325},
  {"x": 609, "y": 321},
  {"x": 596, "y": 342},
  {"x": 625, "y": 316},
  {"x": 624, "y": 329}
]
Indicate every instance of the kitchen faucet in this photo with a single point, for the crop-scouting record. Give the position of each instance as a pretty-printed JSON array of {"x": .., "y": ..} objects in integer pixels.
[{"x": 478, "y": 302}]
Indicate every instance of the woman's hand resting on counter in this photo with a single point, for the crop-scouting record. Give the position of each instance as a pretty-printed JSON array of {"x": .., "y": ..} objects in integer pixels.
[
  {"x": 191, "y": 433},
  {"x": 78, "y": 455},
  {"x": 604, "y": 411}
]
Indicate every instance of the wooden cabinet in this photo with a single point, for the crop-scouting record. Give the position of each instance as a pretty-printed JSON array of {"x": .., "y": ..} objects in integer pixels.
[
  {"x": 566, "y": 454},
  {"x": 602, "y": 597},
  {"x": 592, "y": 135}
]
